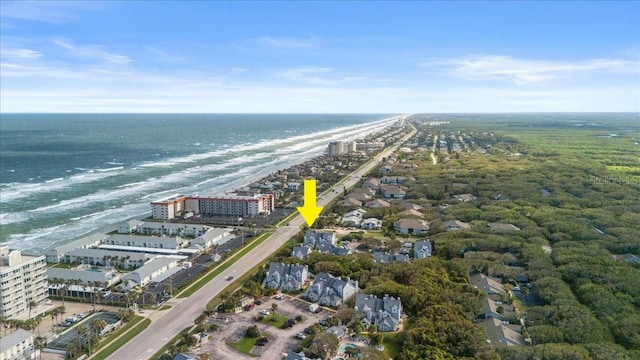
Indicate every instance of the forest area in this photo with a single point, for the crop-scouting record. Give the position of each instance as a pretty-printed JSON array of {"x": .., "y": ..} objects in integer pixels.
[{"x": 569, "y": 186}]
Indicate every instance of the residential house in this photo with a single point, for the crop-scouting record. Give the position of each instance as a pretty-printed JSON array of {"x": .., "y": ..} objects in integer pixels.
[
  {"x": 319, "y": 238},
  {"x": 489, "y": 285},
  {"x": 350, "y": 202},
  {"x": 411, "y": 226},
  {"x": 371, "y": 224},
  {"x": 422, "y": 249},
  {"x": 453, "y": 225},
  {"x": 500, "y": 334},
  {"x": 371, "y": 184},
  {"x": 411, "y": 212},
  {"x": 329, "y": 290},
  {"x": 293, "y": 186},
  {"x": 385, "y": 313},
  {"x": 301, "y": 252},
  {"x": 490, "y": 309},
  {"x": 409, "y": 205},
  {"x": 384, "y": 257},
  {"x": 353, "y": 218},
  {"x": 392, "y": 192},
  {"x": 394, "y": 179},
  {"x": 377, "y": 203},
  {"x": 362, "y": 197},
  {"x": 286, "y": 277}
]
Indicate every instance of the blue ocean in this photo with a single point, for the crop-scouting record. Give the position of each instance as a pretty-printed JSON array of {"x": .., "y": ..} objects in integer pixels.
[{"x": 64, "y": 175}]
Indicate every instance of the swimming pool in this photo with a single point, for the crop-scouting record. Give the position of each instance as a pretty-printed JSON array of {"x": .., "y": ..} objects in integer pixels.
[{"x": 344, "y": 347}]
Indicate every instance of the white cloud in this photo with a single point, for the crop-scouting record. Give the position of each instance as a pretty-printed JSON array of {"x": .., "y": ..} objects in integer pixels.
[
  {"x": 94, "y": 52},
  {"x": 47, "y": 11},
  {"x": 238, "y": 70},
  {"x": 20, "y": 53},
  {"x": 524, "y": 71},
  {"x": 286, "y": 43},
  {"x": 308, "y": 75}
]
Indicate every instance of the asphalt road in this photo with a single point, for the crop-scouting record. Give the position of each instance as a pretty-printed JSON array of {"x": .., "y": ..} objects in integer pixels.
[{"x": 166, "y": 324}]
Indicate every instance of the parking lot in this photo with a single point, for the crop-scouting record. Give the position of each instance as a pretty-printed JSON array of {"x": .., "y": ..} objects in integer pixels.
[{"x": 280, "y": 340}]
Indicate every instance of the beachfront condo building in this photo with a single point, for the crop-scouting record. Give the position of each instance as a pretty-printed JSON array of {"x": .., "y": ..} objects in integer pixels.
[
  {"x": 340, "y": 147},
  {"x": 223, "y": 205},
  {"x": 23, "y": 278}
]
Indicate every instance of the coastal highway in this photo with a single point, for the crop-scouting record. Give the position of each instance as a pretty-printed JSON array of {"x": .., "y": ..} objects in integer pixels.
[{"x": 168, "y": 323}]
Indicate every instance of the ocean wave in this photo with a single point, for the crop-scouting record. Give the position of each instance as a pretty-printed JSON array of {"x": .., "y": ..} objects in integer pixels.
[
  {"x": 111, "y": 169},
  {"x": 244, "y": 163},
  {"x": 11, "y": 218},
  {"x": 17, "y": 191},
  {"x": 24, "y": 190}
]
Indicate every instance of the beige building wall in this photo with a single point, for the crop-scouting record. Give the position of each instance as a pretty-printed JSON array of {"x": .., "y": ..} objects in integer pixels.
[{"x": 23, "y": 278}]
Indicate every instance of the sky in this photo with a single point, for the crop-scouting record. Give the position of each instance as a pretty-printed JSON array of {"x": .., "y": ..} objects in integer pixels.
[{"x": 319, "y": 57}]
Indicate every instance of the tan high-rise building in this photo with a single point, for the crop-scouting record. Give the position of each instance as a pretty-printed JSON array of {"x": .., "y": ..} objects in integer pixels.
[
  {"x": 335, "y": 148},
  {"x": 23, "y": 278}
]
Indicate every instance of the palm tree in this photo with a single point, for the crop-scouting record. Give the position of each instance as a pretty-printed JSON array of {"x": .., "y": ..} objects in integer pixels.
[
  {"x": 39, "y": 344},
  {"x": 274, "y": 307},
  {"x": 96, "y": 326},
  {"x": 72, "y": 349},
  {"x": 31, "y": 305},
  {"x": 83, "y": 334},
  {"x": 63, "y": 286},
  {"x": 53, "y": 314}
]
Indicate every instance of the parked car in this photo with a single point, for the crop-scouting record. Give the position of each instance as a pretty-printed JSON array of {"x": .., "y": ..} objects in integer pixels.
[
  {"x": 262, "y": 341},
  {"x": 308, "y": 331},
  {"x": 292, "y": 321},
  {"x": 301, "y": 335},
  {"x": 265, "y": 312},
  {"x": 258, "y": 302},
  {"x": 285, "y": 325},
  {"x": 279, "y": 297}
]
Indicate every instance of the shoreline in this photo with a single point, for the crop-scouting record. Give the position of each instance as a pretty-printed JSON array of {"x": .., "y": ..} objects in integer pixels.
[{"x": 231, "y": 187}]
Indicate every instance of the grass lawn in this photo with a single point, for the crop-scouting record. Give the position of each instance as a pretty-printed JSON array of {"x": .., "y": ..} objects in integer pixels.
[
  {"x": 61, "y": 265},
  {"x": 244, "y": 345},
  {"x": 133, "y": 328},
  {"x": 275, "y": 320},
  {"x": 392, "y": 344},
  {"x": 164, "y": 307},
  {"x": 288, "y": 218},
  {"x": 220, "y": 268}
]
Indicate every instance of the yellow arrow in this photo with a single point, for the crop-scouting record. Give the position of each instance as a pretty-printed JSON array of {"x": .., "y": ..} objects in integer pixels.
[{"x": 310, "y": 211}]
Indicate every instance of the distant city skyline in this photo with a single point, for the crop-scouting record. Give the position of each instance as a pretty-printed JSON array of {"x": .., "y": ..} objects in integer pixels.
[{"x": 319, "y": 57}]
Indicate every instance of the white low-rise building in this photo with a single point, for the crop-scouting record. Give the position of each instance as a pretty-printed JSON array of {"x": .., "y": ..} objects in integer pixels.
[
  {"x": 17, "y": 345},
  {"x": 57, "y": 253},
  {"x": 85, "y": 275},
  {"x": 150, "y": 272}
]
